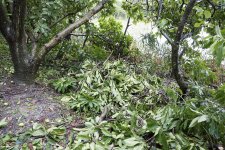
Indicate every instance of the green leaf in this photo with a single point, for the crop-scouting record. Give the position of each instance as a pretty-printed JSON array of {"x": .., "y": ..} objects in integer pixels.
[
  {"x": 163, "y": 22},
  {"x": 131, "y": 142},
  {"x": 218, "y": 51},
  {"x": 3, "y": 123},
  {"x": 56, "y": 131},
  {"x": 157, "y": 131},
  {"x": 89, "y": 124},
  {"x": 37, "y": 126},
  {"x": 193, "y": 122},
  {"x": 207, "y": 14},
  {"x": 218, "y": 32},
  {"x": 163, "y": 141},
  {"x": 92, "y": 146},
  {"x": 66, "y": 99},
  {"x": 38, "y": 133},
  {"x": 199, "y": 119},
  {"x": 198, "y": 24},
  {"x": 203, "y": 118},
  {"x": 106, "y": 133}
]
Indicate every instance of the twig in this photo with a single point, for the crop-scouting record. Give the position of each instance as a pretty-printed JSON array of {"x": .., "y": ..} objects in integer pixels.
[
  {"x": 108, "y": 57},
  {"x": 104, "y": 113},
  {"x": 213, "y": 6},
  {"x": 128, "y": 24}
]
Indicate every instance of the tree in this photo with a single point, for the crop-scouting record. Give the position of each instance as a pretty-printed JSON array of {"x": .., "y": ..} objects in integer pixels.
[
  {"x": 177, "y": 21},
  {"x": 175, "y": 44},
  {"x": 196, "y": 16},
  {"x": 18, "y": 26}
]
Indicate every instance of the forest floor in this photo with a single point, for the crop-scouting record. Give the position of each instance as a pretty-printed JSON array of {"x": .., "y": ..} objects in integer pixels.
[{"x": 23, "y": 105}]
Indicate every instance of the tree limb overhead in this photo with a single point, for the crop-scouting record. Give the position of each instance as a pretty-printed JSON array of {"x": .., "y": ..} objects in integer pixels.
[{"x": 60, "y": 36}]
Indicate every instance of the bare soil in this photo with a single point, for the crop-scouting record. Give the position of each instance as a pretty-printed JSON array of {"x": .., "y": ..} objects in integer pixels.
[{"x": 22, "y": 105}]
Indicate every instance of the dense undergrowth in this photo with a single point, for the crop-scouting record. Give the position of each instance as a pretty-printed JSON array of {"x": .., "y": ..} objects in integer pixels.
[{"x": 128, "y": 107}]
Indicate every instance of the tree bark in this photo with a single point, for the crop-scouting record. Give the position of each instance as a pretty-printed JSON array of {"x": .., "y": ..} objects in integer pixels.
[
  {"x": 176, "y": 45},
  {"x": 25, "y": 68}
]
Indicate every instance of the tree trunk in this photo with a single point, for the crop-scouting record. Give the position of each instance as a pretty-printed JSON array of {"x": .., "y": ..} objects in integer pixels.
[
  {"x": 26, "y": 62},
  {"x": 25, "y": 68},
  {"x": 24, "y": 74},
  {"x": 175, "y": 48},
  {"x": 175, "y": 70}
]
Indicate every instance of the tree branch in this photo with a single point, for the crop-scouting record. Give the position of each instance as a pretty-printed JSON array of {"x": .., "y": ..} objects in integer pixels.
[
  {"x": 184, "y": 20},
  {"x": 64, "y": 16},
  {"x": 22, "y": 15},
  {"x": 103, "y": 115},
  {"x": 160, "y": 3},
  {"x": 128, "y": 24},
  {"x": 18, "y": 28},
  {"x": 167, "y": 37},
  {"x": 85, "y": 41},
  {"x": 182, "y": 52},
  {"x": 15, "y": 19},
  {"x": 78, "y": 34},
  {"x": 147, "y": 4},
  {"x": 183, "y": 37},
  {"x": 60, "y": 36},
  {"x": 213, "y": 6}
]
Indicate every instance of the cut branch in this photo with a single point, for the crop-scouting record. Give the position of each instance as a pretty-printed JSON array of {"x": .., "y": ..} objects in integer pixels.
[
  {"x": 101, "y": 118},
  {"x": 103, "y": 115}
]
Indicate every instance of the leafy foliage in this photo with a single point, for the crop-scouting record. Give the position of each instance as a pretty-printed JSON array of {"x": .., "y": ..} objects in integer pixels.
[
  {"x": 198, "y": 70},
  {"x": 63, "y": 85},
  {"x": 109, "y": 37},
  {"x": 220, "y": 94},
  {"x": 6, "y": 66},
  {"x": 137, "y": 116},
  {"x": 111, "y": 83},
  {"x": 218, "y": 46}
]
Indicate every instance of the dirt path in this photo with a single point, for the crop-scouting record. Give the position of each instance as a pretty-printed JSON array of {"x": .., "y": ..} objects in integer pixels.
[{"x": 22, "y": 105}]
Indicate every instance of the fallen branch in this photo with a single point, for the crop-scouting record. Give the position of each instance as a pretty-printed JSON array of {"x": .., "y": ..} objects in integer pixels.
[
  {"x": 104, "y": 113},
  {"x": 101, "y": 118}
]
